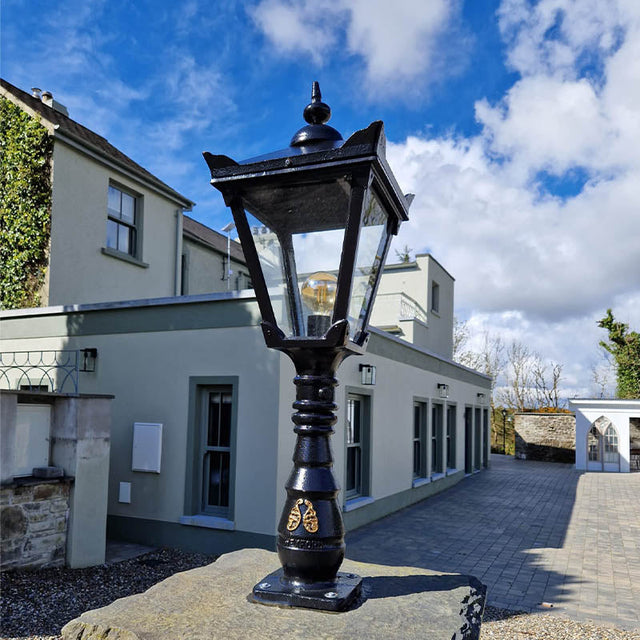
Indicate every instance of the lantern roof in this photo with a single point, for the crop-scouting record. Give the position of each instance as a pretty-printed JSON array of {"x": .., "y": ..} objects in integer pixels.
[{"x": 315, "y": 147}]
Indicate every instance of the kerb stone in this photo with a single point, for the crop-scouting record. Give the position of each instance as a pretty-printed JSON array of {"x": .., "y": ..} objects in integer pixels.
[{"x": 213, "y": 602}]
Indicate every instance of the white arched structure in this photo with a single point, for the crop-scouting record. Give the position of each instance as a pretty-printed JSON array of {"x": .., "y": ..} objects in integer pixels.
[{"x": 603, "y": 433}]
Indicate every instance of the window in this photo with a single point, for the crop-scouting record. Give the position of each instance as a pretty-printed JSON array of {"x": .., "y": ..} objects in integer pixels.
[
  {"x": 211, "y": 438},
  {"x": 610, "y": 442},
  {"x": 419, "y": 440},
  {"x": 451, "y": 436},
  {"x": 435, "y": 296},
  {"x": 593, "y": 444},
  {"x": 122, "y": 221},
  {"x": 436, "y": 438},
  {"x": 357, "y": 447},
  {"x": 216, "y": 452},
  {"x": 468, "y": 440},
  {"x": 485, "y": 437},
  {"x": 477, "y": 439}
]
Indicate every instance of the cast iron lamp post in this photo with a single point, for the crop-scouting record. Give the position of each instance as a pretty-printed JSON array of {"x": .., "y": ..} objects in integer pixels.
[{"x": 315, "y": 221}]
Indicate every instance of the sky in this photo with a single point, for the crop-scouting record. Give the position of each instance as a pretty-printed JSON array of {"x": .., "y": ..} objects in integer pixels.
[{"x": 516, "y": 124}]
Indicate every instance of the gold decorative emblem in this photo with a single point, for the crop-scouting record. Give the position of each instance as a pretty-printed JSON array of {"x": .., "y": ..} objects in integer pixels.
[{"x": 309, "y": 520}]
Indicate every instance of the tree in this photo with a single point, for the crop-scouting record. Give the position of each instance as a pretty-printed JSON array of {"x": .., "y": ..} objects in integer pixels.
[
  {"x": 624, "y": 346},
  {"x": 489, "y": 359},
  {"x": 602, "y": 374},
  {"x": 531, "y": 383},
  {"x": 404, "y": 255}
]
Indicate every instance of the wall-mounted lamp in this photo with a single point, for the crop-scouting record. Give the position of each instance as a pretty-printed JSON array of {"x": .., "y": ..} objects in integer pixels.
[
  {"x": 443, "y": 390},
  {"x": 481, "y": 398},
  {"x": 89, "y": 357},
  {"x": 367, "y": 374}
]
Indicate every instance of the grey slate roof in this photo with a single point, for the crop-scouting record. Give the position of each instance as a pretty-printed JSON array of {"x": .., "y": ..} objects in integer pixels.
[
  {"x": 195, "y": 230},
  {"x": 91, "y": 139}
]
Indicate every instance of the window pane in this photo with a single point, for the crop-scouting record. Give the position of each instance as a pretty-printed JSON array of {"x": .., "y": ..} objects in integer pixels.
[
  {"x": 353, "y": 470},
  {"x": 213, "y": 432},
  {"x": 123, "y": 238},
  {"x": 218, "y": 480},
  {"x": 128, "y": 208},
  {"x": 371, "y": 246},
  {"x": 113, "y": 202},
  {"x": 112, "y": 234},
  {"x": 416, "y": 458},
  {"x": 225, "y": 420},
  {"x": 356, "y": 421},
  {"x": 416, "y": 421}
]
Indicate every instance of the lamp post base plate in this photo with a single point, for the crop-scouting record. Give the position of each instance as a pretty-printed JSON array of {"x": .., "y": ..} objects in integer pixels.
[{"x": 340, "y": 595}]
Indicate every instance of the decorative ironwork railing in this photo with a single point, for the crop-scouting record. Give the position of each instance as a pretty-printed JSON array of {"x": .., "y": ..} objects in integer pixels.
[{"x": 53, "y": 371}]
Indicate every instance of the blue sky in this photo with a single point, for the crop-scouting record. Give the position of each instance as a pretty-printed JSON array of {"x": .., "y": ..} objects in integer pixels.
[{"x": 515, "y": 123}]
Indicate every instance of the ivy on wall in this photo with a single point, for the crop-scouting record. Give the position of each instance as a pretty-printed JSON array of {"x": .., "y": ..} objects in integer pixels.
[
  {"x": 624, "y": 346},
  {"x": 25, "y": 206}
]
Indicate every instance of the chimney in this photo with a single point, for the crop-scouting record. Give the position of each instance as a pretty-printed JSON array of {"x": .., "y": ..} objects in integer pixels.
[
  {"x": 47, "y": 98},
  {"x": 35, "y": 92}
]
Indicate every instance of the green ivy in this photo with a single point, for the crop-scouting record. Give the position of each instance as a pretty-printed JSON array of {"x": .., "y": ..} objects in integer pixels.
[
  {"x": 25, "y": 206},
  {"x": 624, "y": 346}
]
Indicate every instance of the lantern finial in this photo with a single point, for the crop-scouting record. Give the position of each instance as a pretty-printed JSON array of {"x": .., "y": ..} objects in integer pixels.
[{"x": 317, "y": 114}]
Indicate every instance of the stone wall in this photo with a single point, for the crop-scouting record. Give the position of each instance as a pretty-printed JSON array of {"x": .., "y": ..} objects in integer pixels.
[
  {"x": 33, "y": 521},
  {"x": 546, "y": 436}
]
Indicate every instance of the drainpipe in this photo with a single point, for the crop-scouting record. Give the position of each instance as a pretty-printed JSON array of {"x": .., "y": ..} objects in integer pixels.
[{"x": 178, "y": 256}]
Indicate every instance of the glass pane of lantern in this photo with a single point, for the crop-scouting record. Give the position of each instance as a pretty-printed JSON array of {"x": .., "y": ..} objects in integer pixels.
[
  {"x": 371, "y": 247},
  {"x": 300, "y": 263},
  {"x": 317, "y": 262},
  {"x": 271, "y": 260}
]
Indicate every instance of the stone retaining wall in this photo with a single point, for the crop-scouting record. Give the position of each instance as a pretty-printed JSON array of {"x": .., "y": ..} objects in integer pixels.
[
  {"x": 546, "y": 436},
  {"x": 33, "y": 521}
]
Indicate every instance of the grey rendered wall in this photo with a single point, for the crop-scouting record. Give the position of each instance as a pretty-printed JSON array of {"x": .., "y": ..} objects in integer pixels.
[
  {"x": 79, "y": 272},
  {"x": 204, "y": 268}
]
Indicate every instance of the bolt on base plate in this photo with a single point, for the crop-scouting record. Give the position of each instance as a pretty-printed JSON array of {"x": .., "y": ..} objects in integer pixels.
[{"x": 339, "y": 595}]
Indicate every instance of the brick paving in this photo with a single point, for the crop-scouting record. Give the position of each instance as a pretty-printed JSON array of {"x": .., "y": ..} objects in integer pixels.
[{"x": 542, "y": 537}]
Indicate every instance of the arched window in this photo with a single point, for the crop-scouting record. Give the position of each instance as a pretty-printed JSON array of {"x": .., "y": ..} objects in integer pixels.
[
  {"x": 610, "y": 440},
  {"x": 593, "y": 444},
  {"x": 603, "y": 446}
]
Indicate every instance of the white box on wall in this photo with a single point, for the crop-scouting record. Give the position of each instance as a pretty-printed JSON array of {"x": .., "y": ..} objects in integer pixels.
[{"x": 147, "y": 447}]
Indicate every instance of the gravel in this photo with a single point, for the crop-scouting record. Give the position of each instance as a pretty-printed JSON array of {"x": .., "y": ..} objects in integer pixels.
[{"x": 37, "y": 604}]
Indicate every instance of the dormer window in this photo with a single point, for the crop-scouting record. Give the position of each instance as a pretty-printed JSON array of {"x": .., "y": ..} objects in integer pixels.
[{"x": 122, "y": 221}]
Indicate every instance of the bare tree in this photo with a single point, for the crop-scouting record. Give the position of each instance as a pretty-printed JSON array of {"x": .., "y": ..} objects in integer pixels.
[
  {"x": 546, "y": 381},
  {"x": 488, "y": 359},
  {"x": 603, "y": 375},
  {"x": 518, "y": 391}
]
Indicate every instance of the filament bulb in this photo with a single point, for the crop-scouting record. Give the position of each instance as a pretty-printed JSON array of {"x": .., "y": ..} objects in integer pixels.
[{"x": 319, "y": 292}]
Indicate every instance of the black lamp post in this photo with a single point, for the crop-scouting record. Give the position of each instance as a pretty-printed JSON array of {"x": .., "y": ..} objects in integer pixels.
[
  {"x": 504, "y": 431},
  {"x": 315, "y": 221}
]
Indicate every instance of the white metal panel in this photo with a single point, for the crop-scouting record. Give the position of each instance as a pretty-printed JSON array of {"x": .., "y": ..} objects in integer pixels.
[
  {"x": 32, "y": 439},
  {"x": 147, "y": 447}
]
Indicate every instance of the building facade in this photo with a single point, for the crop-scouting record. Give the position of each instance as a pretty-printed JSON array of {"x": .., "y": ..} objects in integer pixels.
[{"x": 201, "y": 436}]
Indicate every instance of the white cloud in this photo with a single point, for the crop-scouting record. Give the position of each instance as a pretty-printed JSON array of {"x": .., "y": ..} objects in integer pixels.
[
  {"x": 530, "y": 265},
  {"x": 396, "y": 41}
]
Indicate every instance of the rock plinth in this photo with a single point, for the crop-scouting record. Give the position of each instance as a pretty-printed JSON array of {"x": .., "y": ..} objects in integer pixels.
[{"x": 213, "y": 602}]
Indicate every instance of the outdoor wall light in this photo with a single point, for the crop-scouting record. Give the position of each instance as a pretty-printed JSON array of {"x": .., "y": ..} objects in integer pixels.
[
  {"x": 89, "y": 357},
  {"x": 315, "y": 221},
  {"x": 367, "y": 374},
  {"x": 443, "y": 390},
  {"x": 481, "y": 398}
]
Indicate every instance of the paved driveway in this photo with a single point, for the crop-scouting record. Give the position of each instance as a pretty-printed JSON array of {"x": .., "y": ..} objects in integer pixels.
[{"x": 541, "y": 536}]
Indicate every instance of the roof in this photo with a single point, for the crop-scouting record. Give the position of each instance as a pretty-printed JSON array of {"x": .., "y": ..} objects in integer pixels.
[
  {"x": 64, "y": 125},
  {"x": 217, "y": 241}
]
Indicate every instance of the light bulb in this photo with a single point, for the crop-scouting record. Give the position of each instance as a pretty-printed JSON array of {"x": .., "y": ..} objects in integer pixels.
[{"x": 319, "y": 292}]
